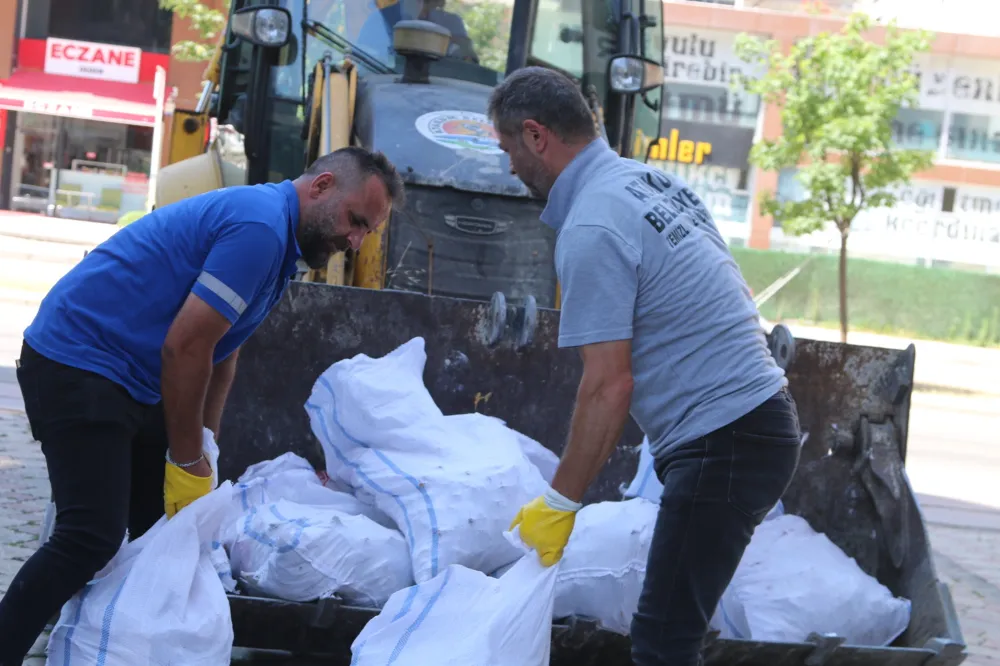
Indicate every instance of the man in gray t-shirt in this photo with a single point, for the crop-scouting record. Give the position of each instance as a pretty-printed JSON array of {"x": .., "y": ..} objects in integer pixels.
[{"x": 668, "y": 332}]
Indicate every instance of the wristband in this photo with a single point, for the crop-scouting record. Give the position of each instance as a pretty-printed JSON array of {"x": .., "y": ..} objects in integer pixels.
[
  {"x": 184, "y": 465},
  {"x": 559, "y": 502}
]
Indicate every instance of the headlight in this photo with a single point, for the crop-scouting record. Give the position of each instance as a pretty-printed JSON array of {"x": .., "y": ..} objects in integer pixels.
[
  {"x": 263, "y": 26},
  {"x": 634, "y": 74}
]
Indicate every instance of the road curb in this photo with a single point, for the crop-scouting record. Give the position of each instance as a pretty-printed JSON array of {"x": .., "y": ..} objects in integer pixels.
[{"x": 52, "y": 238}]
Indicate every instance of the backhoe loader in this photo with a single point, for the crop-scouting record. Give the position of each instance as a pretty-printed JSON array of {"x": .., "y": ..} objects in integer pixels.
[{"x": 468, "y": 267}]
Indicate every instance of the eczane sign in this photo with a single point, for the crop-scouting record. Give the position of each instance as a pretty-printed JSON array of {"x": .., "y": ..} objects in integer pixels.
[{"x": 91, "y": 60}]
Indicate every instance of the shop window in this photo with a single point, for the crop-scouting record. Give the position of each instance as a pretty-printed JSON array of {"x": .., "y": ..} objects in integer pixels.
[
  {"x": 139, "y": 23},
  {"x": 79, "y": 168},
  {"x": 973, "y": 137},
  {"x": 948, "y": 205},
  {"x": 724, "y": 190},
  {"x": 917, "y": 129},
  {"x": 714, "y": 105}
]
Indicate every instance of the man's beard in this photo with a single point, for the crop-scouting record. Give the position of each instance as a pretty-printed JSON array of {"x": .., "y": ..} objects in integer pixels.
[
  {"x": 317, "y": 242},
  {"x": 536, "y": 180}
]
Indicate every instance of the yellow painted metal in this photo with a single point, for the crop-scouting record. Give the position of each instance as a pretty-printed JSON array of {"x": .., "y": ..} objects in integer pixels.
[
  {"x": 369, "y": 264},
  {"x": 187, "y": 135},
  {"x": 336, "y": 130},
  {"x": 335, "y": 269}
]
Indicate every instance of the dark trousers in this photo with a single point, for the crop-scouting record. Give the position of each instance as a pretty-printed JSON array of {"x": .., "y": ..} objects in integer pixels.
[
  {"x": 105, "y": 457},
  {"x": 717, "y": 489}
]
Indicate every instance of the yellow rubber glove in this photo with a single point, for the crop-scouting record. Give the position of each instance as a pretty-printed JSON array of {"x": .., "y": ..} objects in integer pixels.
[
  {"x": 180, "y": 488},
  {"x": 547, "y": 529}
]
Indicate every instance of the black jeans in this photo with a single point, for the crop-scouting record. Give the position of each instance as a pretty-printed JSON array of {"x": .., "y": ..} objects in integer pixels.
[
  {"x": 717, "y": 489},
  {"x": 105, "y": 457}
]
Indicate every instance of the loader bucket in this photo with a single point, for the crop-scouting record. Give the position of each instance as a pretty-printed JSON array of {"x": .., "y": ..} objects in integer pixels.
[{"x": 503, "y": 361}]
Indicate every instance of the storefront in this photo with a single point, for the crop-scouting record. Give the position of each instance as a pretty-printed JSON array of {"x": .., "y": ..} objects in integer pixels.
[
  {"x": 84, "y": 118},
  {"x": 707, "y": 128},
  {"x": 933, "y": 224}
]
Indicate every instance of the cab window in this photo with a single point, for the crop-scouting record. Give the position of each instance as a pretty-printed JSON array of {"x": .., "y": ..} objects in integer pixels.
[
  {"x": 557, "y": 40},
  {"x": 652, "y": 38}
]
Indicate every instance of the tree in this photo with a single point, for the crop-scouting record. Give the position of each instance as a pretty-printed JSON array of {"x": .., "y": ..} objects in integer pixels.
[
  {"x": 488, "y": 29},
  {"x": 839, "y": 94},
  {"x": 207, "y": 23}
]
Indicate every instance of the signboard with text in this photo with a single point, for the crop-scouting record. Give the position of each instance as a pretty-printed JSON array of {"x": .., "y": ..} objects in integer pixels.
[
  {"x": 702, "y": 143},
  {"x": 930, "y": 220},
  {"x": 705, "y": 57},
  {"x": 91, "y": 60}
]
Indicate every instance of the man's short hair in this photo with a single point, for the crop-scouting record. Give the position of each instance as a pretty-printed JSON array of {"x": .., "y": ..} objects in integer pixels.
[
  {"x": 357, "y": 163},
  {"x": 546, "y": 96}
]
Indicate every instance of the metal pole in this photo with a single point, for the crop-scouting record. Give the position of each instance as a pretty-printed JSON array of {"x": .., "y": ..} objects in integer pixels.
[{"x": 160, "y": 95}]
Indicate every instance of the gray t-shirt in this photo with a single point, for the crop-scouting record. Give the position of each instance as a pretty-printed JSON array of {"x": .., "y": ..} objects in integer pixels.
[{"x": 639, "y": 257}]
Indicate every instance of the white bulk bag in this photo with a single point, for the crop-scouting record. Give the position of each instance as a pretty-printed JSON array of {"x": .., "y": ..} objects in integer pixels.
[
  {"x": 645, "y": 482},
  {"x": 604, "y": 564},
  {"x": 545, "y": 460},
  {"x": 793, "y": 581},
  {"x": 159, "y": 601},
  {"x": 465, "y": 618},
  {"x": 291, "y": 477},
  {"x": 451, "y": 493},
  {"x": 302, "y": 553}
]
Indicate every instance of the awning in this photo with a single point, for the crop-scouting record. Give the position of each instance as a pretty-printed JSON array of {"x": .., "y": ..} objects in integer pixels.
[{"x": 107, "y": 101}]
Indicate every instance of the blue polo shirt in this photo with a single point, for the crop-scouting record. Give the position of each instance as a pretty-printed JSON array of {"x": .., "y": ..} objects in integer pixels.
[{"x": 235, "y": 248}]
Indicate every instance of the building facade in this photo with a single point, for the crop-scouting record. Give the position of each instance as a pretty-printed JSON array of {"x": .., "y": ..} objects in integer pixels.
[
  {"x": 84, "y": 117},
  {"x": 948, "y": 216}
]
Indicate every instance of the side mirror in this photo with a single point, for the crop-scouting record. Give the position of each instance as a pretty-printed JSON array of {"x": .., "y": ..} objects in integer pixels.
[
  {"x": 262, "y": 26},
  {"x": 632, "y": 74}
]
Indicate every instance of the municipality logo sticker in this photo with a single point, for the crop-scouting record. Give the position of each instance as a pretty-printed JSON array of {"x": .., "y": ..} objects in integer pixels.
[{"x": 460, "y": 130}]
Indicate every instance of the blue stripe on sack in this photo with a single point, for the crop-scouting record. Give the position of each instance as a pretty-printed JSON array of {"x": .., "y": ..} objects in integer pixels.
[
  {"x": 431, "y": 514},
  {"x": 357, "y": 655},
  {"x": 416, "y": 623},
  {"x": 300, "y": 523},
  {"x": 728, "y": 621},
  {"x": 109, "y": 612},
  {"x": 364, "y": 477},
  {"x": 407, "y": 604},
  {"x": 403, "y": 610},
  {"x": 68, "y": 645}
]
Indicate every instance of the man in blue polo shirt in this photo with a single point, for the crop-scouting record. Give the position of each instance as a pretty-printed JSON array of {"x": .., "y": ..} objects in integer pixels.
[{"x": 132, "y": 354}]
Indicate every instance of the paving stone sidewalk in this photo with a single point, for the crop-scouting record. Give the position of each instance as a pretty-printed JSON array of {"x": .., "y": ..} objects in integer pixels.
[
  {"x": 24, "y": 494},
  {"x": 965, "y": 556}
]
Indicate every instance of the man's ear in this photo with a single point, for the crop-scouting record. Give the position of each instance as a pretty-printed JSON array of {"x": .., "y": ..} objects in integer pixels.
[
  {"x": 535, "y": 136},
  {"x": 322, "y": 184}
]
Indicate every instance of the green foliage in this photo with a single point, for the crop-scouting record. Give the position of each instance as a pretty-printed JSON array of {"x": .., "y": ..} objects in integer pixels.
[
  {"x": 839, "y": 94},
  {"x": 207, "y": 22},
  {"x": 894, "y": 299},
  {"x": 488, "y": 28}
]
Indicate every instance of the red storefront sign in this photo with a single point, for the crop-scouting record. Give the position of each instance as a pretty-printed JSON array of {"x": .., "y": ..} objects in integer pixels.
[{"x": 90, "y": 60}]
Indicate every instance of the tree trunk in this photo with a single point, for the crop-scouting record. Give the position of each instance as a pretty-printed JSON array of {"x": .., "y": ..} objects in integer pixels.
[{"x": 843, "y": 286}]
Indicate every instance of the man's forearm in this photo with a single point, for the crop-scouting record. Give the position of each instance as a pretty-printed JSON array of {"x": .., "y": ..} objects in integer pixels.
[
  {"x": 597, "y": 425},
  {"x": 184, "y": 384},
  {"x": 218, "y": 391}
]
